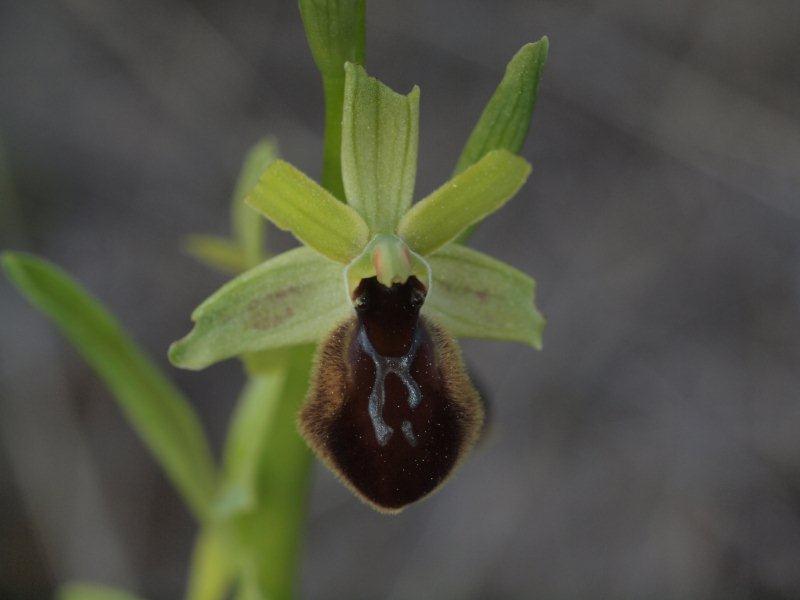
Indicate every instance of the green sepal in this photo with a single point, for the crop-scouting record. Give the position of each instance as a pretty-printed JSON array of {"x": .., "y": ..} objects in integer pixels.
[
  {"x": 464, "y": 200},
  {"x": 474, "y": 295},
  {"x": 160, "y": 414},
  {"x": 294, "y": 202},
  {"x": 217, "y": 252},
  {"x": 380, "y": 134},
  {"x": 293, "y": 298},
  {"x": 92, "y": 591}
]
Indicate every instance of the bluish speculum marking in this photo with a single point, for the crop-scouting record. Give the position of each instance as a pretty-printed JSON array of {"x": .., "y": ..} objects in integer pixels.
[{"x": 400, "y": 366}]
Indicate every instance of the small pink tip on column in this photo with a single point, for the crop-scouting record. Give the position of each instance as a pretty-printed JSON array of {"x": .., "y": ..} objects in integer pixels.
[{"x": 392, "y": 262}]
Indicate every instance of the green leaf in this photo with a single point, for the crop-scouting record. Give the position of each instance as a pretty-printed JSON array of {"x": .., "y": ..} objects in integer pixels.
[
  {"x": 272, "y": 533},
  {"x": 473, "y": 295},
  {"x": 335, "y": 33},
  {"x": 248, "y": 226},
  {"x": 213, "y": 568},
  {"x": 92, "y": 591},
  {"x": 295, "y": 203},
  {"x": 293, "y": 298},
  {"x": 250, "y": 427},
  {"x": 464, "y": 200},
  {"x": 156, "y": 409},
  {"x": 216, "y": 252},
  {"x": 506, "y": 119},
  {"x": 379, "y": 149}
]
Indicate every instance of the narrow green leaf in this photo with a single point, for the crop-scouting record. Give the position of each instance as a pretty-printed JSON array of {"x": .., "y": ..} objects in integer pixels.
[
  {"x": 272, "y": 533},
  {"x": 335, "y": 33},
  {"x": 380, "y": 131},
  {"x": 248, "y": 226},
  {"x": 156, "y": 409},
  {"x": 213, "y": 567},
  {"x": 506, "y": 119},
  {"x": 92, "y": 591},
  {"x": 473, "y": 295},
  {"x": 216, "y": 252},
  {"x": 464, "y": 200},
  {"x": 293, "y": 298},
  {"x": 250, "y": 426},
  {"x": 296, "y": 203}
]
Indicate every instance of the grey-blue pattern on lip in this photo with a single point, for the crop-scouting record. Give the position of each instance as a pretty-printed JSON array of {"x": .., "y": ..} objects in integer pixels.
[{"x": 400, "y": 366}]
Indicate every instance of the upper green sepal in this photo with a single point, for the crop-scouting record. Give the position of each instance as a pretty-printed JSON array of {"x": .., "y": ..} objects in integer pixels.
[
  {"x": 380, "y": 134},
  {"x": 295, "y": 202},
  {"x": 293, "y": 298},
  {"x": 463, "y": 201}
]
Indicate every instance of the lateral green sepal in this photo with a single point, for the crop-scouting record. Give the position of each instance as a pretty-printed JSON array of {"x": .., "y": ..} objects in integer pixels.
[
  {"x": 293, "y": 298},
  {"x": 474, "y": 295}
]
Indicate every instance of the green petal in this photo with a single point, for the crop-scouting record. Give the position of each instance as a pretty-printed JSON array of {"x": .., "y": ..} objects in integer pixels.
[
  {"x": 464, "y": 200},
  {"x": 379, "y": 149},
  {"x": 294, "y": 202},
  {"x": 506, "y": 119},
  {"x": 157, "y": 410},
  {"x": 293, "y": 298},
  {"x": 248, "y": 226},
  {"x": 92, "y": 591},
  {"x": 216, "y": 252},
  {"x": 474, "y": 295}
]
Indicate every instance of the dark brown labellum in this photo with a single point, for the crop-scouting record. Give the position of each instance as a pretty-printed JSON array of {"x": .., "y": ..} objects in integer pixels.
[{"x": 391, "y": 409}]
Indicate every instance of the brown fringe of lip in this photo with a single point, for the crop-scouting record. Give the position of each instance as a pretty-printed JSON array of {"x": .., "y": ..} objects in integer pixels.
[{"x": 326, "y": 397}]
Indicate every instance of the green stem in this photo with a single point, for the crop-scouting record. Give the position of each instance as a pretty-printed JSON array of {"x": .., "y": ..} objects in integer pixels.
[
  {"x": 211, "y": 570},
  {"x": 272, "y": 533},
  {"x": 333, "y": 87}
]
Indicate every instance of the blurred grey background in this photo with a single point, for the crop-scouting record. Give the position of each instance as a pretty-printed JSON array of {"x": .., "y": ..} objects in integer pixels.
[{"x": 652, "y": 450}]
